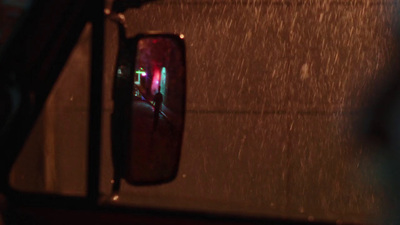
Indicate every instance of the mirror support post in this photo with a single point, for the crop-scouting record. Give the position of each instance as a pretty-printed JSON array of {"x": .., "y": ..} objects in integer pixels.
[
  {"x": 117, "y": 155},
  {"x": 96, "y": 89}
]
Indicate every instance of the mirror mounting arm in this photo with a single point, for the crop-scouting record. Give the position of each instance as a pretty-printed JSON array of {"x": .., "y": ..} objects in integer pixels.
[
  {"x": 119, "y": 19},
  {"x": 116, "y": 14},
  {"x": 119, "y": 6}
]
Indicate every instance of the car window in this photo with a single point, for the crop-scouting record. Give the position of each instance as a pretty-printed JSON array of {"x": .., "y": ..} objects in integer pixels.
[
  {"x": 274, "y": 93},
  {"x": 275, "y": 90}
]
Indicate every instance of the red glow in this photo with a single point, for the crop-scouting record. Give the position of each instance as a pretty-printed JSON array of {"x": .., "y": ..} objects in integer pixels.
[{"x": 156, "y": 80}]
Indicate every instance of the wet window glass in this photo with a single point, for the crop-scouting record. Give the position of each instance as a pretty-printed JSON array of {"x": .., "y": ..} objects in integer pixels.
[{"x": 274, "y": 93}]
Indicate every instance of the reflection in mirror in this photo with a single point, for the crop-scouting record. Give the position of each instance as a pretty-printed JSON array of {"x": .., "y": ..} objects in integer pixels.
[{"x": 156, "y": 111}]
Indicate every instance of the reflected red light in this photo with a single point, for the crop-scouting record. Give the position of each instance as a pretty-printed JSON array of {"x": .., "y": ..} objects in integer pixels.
[{"x": 156, "y": 80}]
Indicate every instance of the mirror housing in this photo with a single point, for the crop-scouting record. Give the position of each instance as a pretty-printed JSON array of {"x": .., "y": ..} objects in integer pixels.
[{"x": 149, "y": 109}]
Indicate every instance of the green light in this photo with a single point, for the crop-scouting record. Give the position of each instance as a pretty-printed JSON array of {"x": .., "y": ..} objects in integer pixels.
[
  {"x": 163, "y": 82},
  {"x": 140, "y": 73}
]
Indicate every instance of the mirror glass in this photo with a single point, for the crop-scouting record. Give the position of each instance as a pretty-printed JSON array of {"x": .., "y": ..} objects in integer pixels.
[{"x": 157, "y": 110}]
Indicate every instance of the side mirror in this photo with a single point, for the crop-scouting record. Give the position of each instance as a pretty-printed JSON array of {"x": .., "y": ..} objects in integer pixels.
[{"x": 149, "y": 109}]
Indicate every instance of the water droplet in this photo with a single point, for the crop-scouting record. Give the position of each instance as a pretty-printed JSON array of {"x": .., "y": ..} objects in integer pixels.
[{"x": 115, "y": 197}]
